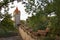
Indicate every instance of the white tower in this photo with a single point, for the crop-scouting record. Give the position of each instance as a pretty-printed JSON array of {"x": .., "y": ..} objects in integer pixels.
[{"x": 17, "y": 17}]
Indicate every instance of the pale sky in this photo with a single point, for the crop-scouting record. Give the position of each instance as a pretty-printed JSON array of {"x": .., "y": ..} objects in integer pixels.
[{"x": 21, "y": 7}]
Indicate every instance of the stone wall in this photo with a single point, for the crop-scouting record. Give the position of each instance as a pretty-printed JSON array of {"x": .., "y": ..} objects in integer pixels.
[{"x": 24, "y": 35}]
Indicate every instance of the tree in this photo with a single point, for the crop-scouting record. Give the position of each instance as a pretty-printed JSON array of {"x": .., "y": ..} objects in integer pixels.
[
  {"x": 4, "y": 4},
  {"x": 7, "y": 23},
  {"x": 57, "y": 12},
  {"x": 43, "y": 8},
  {"x": 39, "y": 20}
]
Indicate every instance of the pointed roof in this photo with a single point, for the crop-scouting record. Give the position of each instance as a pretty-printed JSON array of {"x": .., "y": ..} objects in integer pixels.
[{"x": 16, "y": 10}]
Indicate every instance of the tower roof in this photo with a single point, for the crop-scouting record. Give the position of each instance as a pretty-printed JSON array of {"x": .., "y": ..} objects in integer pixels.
[{"x": 16, "y": 10}]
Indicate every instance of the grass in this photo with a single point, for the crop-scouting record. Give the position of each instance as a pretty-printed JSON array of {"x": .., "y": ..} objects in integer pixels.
[{"x": 4, "y": 33}]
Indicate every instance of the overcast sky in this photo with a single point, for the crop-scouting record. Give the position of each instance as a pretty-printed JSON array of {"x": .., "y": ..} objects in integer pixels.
[{"x": 21, "y": 8}]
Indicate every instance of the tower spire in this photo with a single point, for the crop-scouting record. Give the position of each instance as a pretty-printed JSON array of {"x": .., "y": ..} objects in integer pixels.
[{"x": 16, "y": 11}]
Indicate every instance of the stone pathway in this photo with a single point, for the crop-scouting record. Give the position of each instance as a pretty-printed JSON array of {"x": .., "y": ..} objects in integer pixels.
[{"x": 12, "y": 38}]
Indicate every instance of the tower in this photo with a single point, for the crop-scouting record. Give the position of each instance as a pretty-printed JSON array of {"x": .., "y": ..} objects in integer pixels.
[{"x": 17, "y": 17}]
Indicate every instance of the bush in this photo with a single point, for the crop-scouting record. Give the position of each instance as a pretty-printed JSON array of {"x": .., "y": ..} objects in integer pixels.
[
  {"x": 8, "y": 34},
  {"x": 4, "y": 33},
  {"x": 49, "y": 38}
]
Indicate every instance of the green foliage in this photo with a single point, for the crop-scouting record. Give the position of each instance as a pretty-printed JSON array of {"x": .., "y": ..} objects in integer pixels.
[
  {"x": 22, "y": 22},
  {"x": 7, "y": 26},
  {"x": 42, "y": 10},
  {"x": 7, "y": 34},
  {"x": 38, "y": 22},
  {"x": 1, "y": 15},
  {"x": 7, "y": 23},
  {"x": 56, "y": 4},
  {"x": 49, "y": 38}
]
